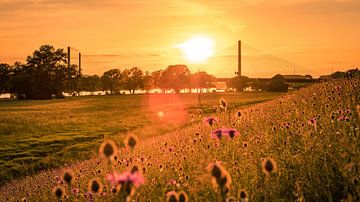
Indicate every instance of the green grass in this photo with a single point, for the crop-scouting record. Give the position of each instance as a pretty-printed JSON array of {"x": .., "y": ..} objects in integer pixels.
[{"x": 37, "y": 135}]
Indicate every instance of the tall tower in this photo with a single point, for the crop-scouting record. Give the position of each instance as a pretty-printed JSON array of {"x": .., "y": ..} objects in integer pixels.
[
  {"x": 79, "y": 63},
  {"x": 239, "y": 59},
  {"x": 68, "y": 54},
  {"x": 69, "y": 70}
]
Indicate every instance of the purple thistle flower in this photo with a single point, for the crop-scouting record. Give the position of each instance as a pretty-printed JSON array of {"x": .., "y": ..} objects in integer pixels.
[
  {"x": 210, "y": 120},
  {"x": 343, "y": 118},
  {"x": 223, "y": 132},
  {"x": 312, "y": 121},
  {"x": 217, "y": 134},
  {"x": 135, "y": 178},
  {"x": 232, "y": 132}
]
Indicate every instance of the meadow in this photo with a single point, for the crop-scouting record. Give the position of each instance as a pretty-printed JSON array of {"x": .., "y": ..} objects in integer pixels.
[
  {"x": 302, "y": 146},
  {"x": 37, "y": 135}
]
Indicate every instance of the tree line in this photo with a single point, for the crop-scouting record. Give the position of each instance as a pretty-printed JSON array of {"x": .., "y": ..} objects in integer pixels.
[{"x": 46, "y": 74}]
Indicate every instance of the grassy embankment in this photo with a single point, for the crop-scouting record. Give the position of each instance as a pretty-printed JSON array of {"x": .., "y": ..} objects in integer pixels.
[
  {"x": 41, "y": 134},
  {"x": 312, "y": 135}
]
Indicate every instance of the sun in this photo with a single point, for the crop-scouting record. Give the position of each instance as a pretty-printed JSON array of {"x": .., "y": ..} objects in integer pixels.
[{"x": 197, "y": 49}]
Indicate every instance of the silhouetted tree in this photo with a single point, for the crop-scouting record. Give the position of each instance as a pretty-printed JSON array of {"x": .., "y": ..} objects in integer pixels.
[
  {"x": 112, "y": 80},
  {"x": 338, "y": 75},
  {"x": 201, "y": 80},
  {"x": 255, "y": 84},
  {"x": 277, "y": 84},
  {"x": 174, "y": 77},
  {"x": 45, "y": 74},
  {"x": 351, "y": 73},
  {"x": 133, "y": 79},
  {"x": 239, "y": 83},
  {"x": 151, "y": 80},
  {"x": 156, "y": 75},
  {"x": 148, "y": 82},
  {"x": 5, "y": 74},
  {"x": 73, "y": 78},
  {"x": 89, "y": 83},
  {"x": 21, "y": 83}
]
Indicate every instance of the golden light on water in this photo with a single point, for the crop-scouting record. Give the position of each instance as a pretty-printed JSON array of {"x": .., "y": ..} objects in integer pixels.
[{"x": 197, "y": 49}]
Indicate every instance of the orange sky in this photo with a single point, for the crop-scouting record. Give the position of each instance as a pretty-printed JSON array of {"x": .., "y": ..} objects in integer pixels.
[{"x": 278, "y": 36}]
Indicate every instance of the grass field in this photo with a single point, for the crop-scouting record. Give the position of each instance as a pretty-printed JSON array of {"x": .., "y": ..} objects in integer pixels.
[{"x": 42, "y": 134}]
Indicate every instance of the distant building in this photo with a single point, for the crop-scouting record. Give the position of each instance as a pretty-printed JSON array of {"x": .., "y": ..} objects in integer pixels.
[
  {"x": 325, "y": 77},
  {"x": 221, "y": 84},
  {"x": 298, "y": 77}
]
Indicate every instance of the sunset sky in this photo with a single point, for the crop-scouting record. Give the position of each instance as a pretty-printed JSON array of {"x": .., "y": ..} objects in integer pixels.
[{"x": 309, "y": 36}]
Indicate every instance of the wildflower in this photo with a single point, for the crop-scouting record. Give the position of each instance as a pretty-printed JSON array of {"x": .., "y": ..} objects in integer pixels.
[
  {"x": 172, "y": 196},
  {"x": 135, "y": 169},
  {"x": 95, "y": 186},
  {"x": 68, "y": 176},
  {"x": 343, "y": 118},
  {"x": 287, "y": 125},
  {"x": 231, "y": 199},
  {"x": 183, "y": 197},
  {"x": 172, "y": 182},
  {"x": 220, "y": 177},
  {"x": 216, "y": 170},
  {"x": 131, "y": 141},
  {"x": 312, "y": 121},
  {"x": 224, "y": 181},
  {"x": 238, "y": 114},
  {"x": 59, "y": 192},
  {"x": 223, "y": 103},
  {"x": 126, "y": 180},
  {"x": 114, "y": 189},
  {"x": 245, "y": 144},
  {"x": 269, "y": 166},
  {"x": 332, "y": 115},
  {"x": 243, "y": 195},
  {"x": 210, "y": 120},
  {"x": 355, "y": 180},
  {"x": 192, "y": 117},
  {"x": 217, "y": 134},
  {"x": 232, "y": 132},
  {"x": 200, "y": 111},
  {"x": 108, "y": 149}
]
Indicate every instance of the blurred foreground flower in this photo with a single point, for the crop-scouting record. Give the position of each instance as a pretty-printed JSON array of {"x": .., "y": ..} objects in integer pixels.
[
  {"x": 126, "y": 182},
  {"x": 221, "y": 178},
  {"x": 131, "y": 141},
  {"x": 173, "y": 196},
  {"x": 108, "y": 149},
  {"x": 269, "y": 166}
]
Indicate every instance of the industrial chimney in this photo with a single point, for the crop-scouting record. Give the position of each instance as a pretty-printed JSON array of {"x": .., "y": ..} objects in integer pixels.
[
  {"x": 239, "y": 59},
  {"x": 79, "y": 63}
]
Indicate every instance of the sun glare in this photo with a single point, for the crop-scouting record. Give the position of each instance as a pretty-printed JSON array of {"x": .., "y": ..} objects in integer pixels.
[{"x": 197, "y": 49}]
